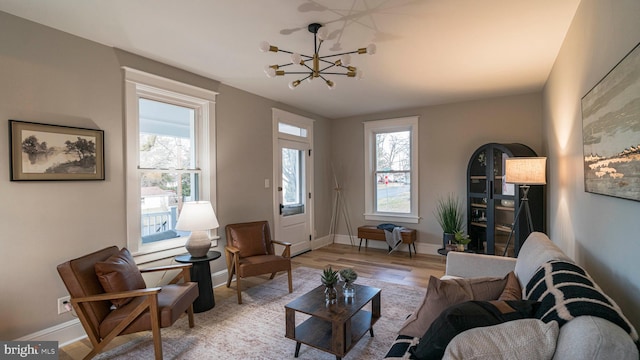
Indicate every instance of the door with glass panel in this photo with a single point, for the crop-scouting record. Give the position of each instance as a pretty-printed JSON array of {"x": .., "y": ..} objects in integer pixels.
[{"x": 293, "y": 193}]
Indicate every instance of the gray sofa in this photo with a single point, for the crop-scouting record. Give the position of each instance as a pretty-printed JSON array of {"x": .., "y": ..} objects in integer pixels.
[{"x": 583, "y": 337}]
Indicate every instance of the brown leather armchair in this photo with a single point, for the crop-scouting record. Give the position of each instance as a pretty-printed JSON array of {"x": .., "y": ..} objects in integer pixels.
[
  {"x": 105, "y": 315},
  {"x": 250, "y": 252}
]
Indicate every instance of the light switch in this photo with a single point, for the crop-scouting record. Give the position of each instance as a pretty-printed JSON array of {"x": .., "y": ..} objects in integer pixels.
[{"x": 266, "y": 183}]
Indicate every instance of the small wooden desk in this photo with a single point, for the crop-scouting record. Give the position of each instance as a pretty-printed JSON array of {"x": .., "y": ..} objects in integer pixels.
[{"x": 369, "y": 232}]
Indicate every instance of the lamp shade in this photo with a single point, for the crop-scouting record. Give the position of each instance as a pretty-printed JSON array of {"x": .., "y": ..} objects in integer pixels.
[
  {"x": 526, "y": 170},
  {"x": 197, "y": 216}
]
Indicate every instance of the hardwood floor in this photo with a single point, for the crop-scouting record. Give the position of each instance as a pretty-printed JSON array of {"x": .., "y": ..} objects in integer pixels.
[{"x": 396, "y": 267}]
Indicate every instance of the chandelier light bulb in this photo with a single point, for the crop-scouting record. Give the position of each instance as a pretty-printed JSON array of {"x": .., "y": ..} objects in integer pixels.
[
  {"x": 323, "y": 33},
  {"x": 296, "y": 58},
  {"x": 371, "y": 49},
  {"x": 331, "y": 84},
  {"x": 345, "y": 59},
  {"x": 271, "y": 72},
  {"x": 264, "y": 46}
]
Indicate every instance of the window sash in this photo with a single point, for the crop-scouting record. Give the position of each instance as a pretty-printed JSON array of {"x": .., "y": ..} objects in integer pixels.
[{"x": 143, "y": 85}]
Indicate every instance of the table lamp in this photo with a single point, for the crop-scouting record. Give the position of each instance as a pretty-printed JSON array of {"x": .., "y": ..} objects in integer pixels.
[
  {"x": 524, "y": 171},
  {"x": 197, "y": 217}
]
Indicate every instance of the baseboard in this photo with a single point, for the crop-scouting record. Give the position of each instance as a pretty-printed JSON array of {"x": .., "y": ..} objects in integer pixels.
[
  {"x": 65, "y": 333},
  {"x": 421, "y": 248}
]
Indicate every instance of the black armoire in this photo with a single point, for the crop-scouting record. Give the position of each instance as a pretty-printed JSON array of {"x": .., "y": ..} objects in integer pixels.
[{"x": 492, "y": 203}]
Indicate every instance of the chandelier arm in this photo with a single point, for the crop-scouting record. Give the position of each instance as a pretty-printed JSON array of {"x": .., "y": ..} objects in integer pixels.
[
  {"x": 296, "y": 72},
  {"x": 344, "y": 53},
  {"x": 333, "y": 73},
  {"x": 328, "y": 67}
]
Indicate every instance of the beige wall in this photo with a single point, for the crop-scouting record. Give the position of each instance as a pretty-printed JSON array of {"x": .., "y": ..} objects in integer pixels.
[
  {"x": 448, "y": 136},
  {"x": 52, "y": 77},
  {"x": 600, "y": 232}
]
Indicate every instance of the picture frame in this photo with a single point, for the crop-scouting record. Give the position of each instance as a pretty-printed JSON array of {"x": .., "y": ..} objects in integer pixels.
[
  {"x": 45, "y": 152},
  {"x": 611, "y": 131}
]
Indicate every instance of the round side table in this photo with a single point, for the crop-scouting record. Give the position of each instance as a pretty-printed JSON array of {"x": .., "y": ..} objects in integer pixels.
[{"x": 201, "y": 273}]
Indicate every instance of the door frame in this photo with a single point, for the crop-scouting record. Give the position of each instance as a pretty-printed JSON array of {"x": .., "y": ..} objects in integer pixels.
[{"x": 281, "y": 116}]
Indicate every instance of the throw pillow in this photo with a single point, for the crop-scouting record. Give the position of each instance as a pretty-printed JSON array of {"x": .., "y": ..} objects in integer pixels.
[
  {"x": 119, "y": 273},
  {"x": 566, "y": 291},
  {"x": 465, "y": 316},
  {"x": 252, "y": 240},
  {"x": 443, "y": 293},
  {"x": 530, "y": 339},
  {"x": 512, "y": 289}
]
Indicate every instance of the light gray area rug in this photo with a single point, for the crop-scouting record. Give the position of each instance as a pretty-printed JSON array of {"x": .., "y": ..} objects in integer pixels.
[{"x": 255, "y": 329}]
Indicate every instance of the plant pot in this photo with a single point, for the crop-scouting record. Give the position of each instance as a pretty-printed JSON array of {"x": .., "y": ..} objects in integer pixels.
[
  {"x": 459, "y": 247},
  {"x": 330, "y": 294},
  {"x": 447, "y": 238},
  {"x": 348, "y": 289}
]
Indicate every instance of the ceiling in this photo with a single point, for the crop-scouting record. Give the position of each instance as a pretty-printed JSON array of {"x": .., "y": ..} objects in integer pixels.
[{"x": 428, "y": 51}]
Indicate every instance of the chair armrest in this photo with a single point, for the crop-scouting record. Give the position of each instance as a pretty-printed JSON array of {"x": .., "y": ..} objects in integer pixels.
[
  {"x": 117, "y": 295},
  {"x": 283, "y": 243},
  {"x": 232, "y": 249},
  {"x": 468, "y": 265},
  {"x": 184, "y": 274},
  {"x": 166, "y": 267},
  {"x": 286, "y": 252}
]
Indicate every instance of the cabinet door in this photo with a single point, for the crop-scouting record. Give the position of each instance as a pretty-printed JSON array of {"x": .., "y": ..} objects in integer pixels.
[
  {"x": 478, "y": 185},
  {"x": 503, "y": 204}
]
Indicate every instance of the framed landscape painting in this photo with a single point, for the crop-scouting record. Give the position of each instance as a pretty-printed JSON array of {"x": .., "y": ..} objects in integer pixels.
[
  {"x": 52, "y": 152},
  {"x": 611, "y": 131}
]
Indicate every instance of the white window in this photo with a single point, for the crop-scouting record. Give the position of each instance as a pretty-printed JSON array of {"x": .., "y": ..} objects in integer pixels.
[
  {"x": 169, "y": 158},
  {"x": 391, "y": 170}
]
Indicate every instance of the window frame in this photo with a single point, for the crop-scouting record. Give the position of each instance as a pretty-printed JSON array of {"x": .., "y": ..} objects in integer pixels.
[
  {"x": 139, "y": 84},
  {"x": 371, "y": 128}
]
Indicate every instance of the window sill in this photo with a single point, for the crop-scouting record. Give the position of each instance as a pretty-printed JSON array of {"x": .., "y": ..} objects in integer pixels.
[
  {"x": 145, "y": 256},
  {"x": 411, "y": 219}
]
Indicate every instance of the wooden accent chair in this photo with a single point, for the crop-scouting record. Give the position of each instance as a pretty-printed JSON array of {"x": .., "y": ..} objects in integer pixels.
[
  {"x": 249, "y": 252},
  {"x": 117, "y": 311}
]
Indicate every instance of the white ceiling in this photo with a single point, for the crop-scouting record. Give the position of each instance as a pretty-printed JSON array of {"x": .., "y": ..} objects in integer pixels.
[{"x": 429, "y": 51}]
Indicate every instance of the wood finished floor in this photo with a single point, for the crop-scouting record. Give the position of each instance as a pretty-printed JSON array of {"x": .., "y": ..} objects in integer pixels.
[{"x": 396, "y": 267}]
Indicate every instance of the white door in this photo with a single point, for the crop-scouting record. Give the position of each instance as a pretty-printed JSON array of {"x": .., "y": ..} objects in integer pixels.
[{"x": 294, "y": 195}]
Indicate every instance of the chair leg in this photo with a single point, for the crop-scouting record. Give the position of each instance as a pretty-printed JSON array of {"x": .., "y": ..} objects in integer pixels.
[
  {"x": 190, "y": 316},
  {"x": 273, "y": 275},
  {"x": 231, "y": 273},
  {"x": 155, "y": 328},
  {"x": 290, "y": 282},
  {"x": 239, "y": 290}
]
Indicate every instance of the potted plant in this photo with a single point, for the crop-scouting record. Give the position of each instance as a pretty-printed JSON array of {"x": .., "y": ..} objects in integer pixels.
[
  {"x": 329, "y": 279},
  {"x": 348, "y": 276},
  {"x": 449, "y": 213},
  {"x": 461, "y": 240}
]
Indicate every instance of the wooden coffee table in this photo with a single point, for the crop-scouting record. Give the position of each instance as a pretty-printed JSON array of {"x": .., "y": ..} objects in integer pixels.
[{"x": 334, "y": 328}]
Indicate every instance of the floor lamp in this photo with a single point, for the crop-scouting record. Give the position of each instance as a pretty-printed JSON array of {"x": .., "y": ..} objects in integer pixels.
[{"x": 524, "y": 171}]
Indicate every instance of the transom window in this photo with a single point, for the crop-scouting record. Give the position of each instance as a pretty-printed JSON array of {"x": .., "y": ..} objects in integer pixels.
[{"x": 392, "y": 170}]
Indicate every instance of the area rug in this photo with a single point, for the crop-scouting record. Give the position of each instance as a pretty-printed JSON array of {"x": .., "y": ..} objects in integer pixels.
[{"x": 255, "y": 329}]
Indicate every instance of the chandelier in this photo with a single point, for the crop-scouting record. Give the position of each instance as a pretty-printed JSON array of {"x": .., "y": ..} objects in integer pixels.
[{"x": 316, "y": 66}]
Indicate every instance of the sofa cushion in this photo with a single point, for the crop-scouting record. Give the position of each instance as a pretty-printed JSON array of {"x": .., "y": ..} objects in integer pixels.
[
  {"x": 535, "y": 251},
  {"x": 566, "y": 291},
  {"x": 119, "y": 273},
  {"x": 465, "y": 316},
  {"x": 443, "y": 293},
  {"x": 590, "y": 337},
  {"x": 530, "y": 339}
]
